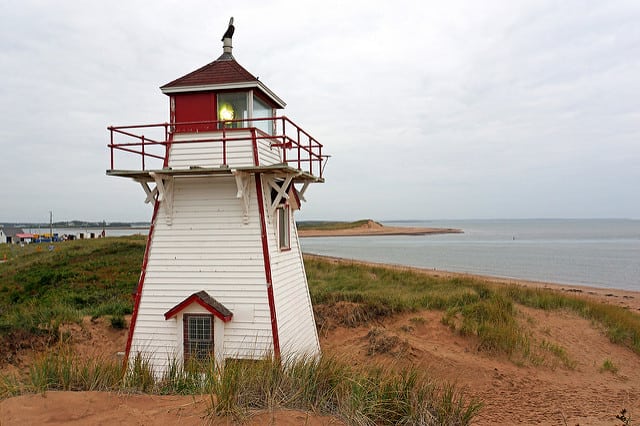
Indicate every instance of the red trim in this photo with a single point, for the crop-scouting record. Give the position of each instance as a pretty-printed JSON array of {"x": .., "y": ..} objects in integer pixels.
[
  {"x": 167, "y": 148},
  {"x": 296, "y": 197},
  {"x": 267, "y": 267},
  {"x": 256, "y": 159},
  {"x": 138, "y": 294},
  {"x": 195, "y": 299}
]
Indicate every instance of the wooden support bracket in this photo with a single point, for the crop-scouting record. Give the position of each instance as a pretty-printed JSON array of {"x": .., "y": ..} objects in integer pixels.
[
  {"x": 281, "y": 191},
  {"x": 164, "y": 193},
  {"x": 302, "y": 191},
  {"x": 243, "y": 181}
]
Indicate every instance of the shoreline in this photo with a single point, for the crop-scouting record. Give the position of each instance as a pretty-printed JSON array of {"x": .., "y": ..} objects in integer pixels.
[{"x": 628, "y": 299}]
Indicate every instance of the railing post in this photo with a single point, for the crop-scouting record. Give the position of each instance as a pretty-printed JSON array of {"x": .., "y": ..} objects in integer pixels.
[
  {"x": 111, "y": 146},
  {"x": 142, "y": 138},
  {"x": 299, "y": 149},
  {"x": 310, "y": 156},
  {"x": 284, "y": 149},
  {"x": 224, "y": 145},
  {"x": 284, "y": 141},
  {"x": 254, "y": 144}
]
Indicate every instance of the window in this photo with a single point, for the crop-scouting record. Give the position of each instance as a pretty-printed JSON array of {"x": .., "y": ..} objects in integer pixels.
[
  {"x": 282, "y": 214},
  {"x": 233, "y": 106},
  {"x": 262, "y": 110},
  {"x": 198, "y": 337}
]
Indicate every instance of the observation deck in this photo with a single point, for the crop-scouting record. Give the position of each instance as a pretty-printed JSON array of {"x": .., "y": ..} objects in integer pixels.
[{"x": 259, "y": 145}]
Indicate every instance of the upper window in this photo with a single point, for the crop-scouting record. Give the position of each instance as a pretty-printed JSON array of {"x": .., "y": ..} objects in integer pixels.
[
  {"x": 233, "y": 106},
  {"x": 262, "y": 110},
  {"x": 284, "y": 231},
  {"x": 198, "y": 337}
]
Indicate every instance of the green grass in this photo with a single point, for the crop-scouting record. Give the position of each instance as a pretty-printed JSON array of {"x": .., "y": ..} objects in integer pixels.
[
  {"x": 42, "y": 288},
  {"x": 608, "y": 365}
]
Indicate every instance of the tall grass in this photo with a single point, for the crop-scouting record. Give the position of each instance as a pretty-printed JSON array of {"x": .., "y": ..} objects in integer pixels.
[
  {"x": 62, "y": 369},
  {"x": 330, "y": 386},
  {"x": 325, "y": 385}
]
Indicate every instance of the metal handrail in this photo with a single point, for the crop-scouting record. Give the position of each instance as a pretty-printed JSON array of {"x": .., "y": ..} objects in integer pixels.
[{"x": 299, "y": 148}]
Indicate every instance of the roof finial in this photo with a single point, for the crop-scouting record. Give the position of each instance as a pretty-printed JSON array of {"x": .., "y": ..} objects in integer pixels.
[
  {"x": 230, "y": 30},
  {"x": 227, "y": 47}
]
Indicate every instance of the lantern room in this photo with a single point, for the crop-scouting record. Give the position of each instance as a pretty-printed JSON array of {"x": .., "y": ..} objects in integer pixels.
[{"x": 224, "y": 92}]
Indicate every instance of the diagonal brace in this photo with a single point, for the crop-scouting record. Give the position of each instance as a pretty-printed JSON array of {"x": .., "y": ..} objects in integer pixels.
[{"x": 243, "y": 181}]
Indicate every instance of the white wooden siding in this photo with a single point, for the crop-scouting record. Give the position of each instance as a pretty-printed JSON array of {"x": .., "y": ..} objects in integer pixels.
[
  {"x": 296, "y": 323},
  {"x": 239, "y": 153},
  {"x": 206, "y": 247},
  {"x": 268, "y": 155}
]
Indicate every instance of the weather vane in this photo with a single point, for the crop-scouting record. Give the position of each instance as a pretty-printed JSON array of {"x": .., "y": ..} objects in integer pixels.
[{"x": 230, "y": 30}]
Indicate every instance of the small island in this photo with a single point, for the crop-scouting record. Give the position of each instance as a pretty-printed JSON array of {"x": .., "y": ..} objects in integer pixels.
[{"x": 365, "y": 227}]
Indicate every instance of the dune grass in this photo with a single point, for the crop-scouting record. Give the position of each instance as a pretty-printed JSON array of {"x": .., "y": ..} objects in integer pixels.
[
  {"x": 473, "y": 307},
  {"x": 324, "y": 385}
]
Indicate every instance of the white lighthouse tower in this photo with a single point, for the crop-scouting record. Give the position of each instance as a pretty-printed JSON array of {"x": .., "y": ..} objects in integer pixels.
[{"x": 222, "y": 275}]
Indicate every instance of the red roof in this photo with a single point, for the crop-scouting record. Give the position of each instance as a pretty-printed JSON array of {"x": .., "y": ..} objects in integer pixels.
[
  {"x": 220, "y": 71},
  {"x": 223, "y": 73},
  {"x": 203, "y": 299}
]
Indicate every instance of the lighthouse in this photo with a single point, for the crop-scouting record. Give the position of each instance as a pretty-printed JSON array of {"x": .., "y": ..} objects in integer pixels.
[{"x": 223, "y": 275}]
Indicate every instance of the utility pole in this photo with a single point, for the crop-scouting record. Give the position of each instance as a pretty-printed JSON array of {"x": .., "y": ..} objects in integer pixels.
[{"x": 51, "y": 225}]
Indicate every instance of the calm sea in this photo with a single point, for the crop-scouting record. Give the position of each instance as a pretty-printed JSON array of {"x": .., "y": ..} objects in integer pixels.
[{"x": 593, "y": 252}]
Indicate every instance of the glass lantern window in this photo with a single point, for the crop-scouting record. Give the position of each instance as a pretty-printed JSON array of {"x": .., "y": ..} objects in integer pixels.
[
  {"x": 262, "y": 110},
  {"x": 234, "y": 108}
]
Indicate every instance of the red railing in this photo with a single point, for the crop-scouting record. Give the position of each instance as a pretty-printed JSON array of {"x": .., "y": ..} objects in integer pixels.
[{"x": 298, "y": 148}]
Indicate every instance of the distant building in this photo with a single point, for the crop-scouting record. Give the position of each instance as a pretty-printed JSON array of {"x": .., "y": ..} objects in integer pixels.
[{"x": 9, "y": 234}]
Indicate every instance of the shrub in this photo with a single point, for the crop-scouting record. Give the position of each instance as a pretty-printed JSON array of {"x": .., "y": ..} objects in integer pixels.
[{"x": 118, "y": 322}]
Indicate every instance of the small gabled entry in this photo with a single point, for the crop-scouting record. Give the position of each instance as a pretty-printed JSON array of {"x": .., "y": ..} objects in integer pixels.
[{"x": 196, "y": 319}]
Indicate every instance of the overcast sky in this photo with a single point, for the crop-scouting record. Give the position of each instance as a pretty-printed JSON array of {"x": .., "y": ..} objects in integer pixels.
[{"x": 430, "y": 109}]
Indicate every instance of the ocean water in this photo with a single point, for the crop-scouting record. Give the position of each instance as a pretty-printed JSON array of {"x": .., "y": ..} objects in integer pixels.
[{"x": 593, "y": 252}]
